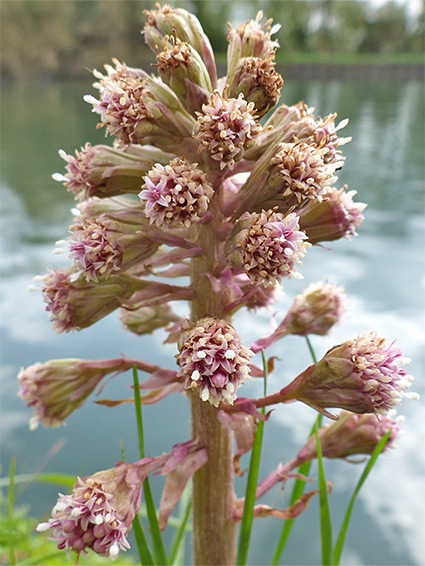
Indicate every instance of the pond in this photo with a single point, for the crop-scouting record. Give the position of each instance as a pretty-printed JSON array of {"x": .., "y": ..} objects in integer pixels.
[{"x": 382, "y": 270}]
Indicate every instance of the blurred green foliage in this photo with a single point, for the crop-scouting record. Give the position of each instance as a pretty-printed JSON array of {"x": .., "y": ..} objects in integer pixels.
[{"x": 47, "y": 38}]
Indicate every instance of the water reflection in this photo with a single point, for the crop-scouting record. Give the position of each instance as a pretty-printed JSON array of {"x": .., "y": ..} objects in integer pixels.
[{"x": 381, "y": 270}]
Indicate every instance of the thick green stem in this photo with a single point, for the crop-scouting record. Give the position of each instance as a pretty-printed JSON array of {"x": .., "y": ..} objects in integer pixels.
[{"x": 214, "y": 530}]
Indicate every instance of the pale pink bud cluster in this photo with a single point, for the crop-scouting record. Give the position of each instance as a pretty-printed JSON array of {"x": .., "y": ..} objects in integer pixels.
[
  {"x": 107, "y": 171},
  {"x": 56, "y": 388},
  {"x": 317, "y": 309},
  {"x": 252, "y": 39},
  {"x": 335, "y": 217},
  {"x": 225, "y": 128},
  {"x": 176, "y": 195},
  {"x": 101, "y": 247},
  {"x": 213, "y": 360},
  {"x": 98, "y": 514},
  {"x": 361, "y": 375},
  {"x": 145, "y": 320},
  {"x": 270, "y": 247},
  {"x": 75, "y": 304},
  {"x": 258, "y": 81},
  {"x": 303, "y": 172},
  {"x": 352, "y": 434}
]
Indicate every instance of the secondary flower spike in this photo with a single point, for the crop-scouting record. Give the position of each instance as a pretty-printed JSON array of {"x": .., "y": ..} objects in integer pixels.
[
  {"x": 213, "y": 360},
  {"x": 361, "y": 375}
]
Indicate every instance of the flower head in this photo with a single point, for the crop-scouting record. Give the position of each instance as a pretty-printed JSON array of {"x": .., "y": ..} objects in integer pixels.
[
  {"x": 270, "y": 246},
  {"x": 181, "y": 67},
  {"x": 105, "y": 171},
  {"x": 316, "y": 310},
  {"x": 140, "y": 109},
  {"x": 336, "y": 216},
  {"x": 168, "y": 21},
  {"x": 176, "y": 195},
  {"x": 98, "y": 514},
  {"x": 361, "y": 375},
  {"x": 213, "y": 360},
  {"x": 252, "y": 39},
  {"x": 352, "y": 434},
  {"x": 145, "y": 320},
  {"x": 258, "y": 81},
  {"x": 58, "y": 387},
  {"x": 75, "y": 304},
  {"x": 102, "y": 247},
  {"x": 225, "y": 128}
]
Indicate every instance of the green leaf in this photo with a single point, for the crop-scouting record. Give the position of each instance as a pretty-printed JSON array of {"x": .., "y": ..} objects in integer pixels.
[
  {"x": 325, "y": 515},
  {"x": 159, "y": 550},
  {"x": 341, "y": 537},
  {"x": 251, "y": 487},
  {"x": 54, "y": 478}
]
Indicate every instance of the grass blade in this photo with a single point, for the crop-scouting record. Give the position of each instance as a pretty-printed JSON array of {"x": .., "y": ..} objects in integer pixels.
[
  {"x": 159, "y": 550},
  {"x": 298, "y": 487},
  {"x": 145, "y": 553},
  {"x": 325, "y": 515},
  {"x": 341, "y": 537},
  {"x": 251, "y": 487},
  {"x": 179, "y": 538},
  {"x": 61, "y": 479},
  {"x": 10, "y": 504}
]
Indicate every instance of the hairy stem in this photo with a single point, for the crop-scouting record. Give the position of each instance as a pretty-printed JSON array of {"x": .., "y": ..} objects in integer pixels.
[{"x": 214, "y": 530}]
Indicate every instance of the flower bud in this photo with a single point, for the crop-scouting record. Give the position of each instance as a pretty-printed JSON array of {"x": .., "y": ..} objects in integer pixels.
[
  {"x": 336, "y": 216},
  {"x": 250, "y": 40},
  {"x": 361, "y": 375},
  {"x": 351, "y": 434},
  {"x": 141, "y": 110},
  {"x": 288, "y": 177},
  {"x": 316, "y": 310},
  {"x": 147, "y": 319},
  {"x": 58, "y": 387},
  {"x": 176, "y": 195},
  {"x": 102, "y": 247},
  {"x": 269, "y": 247},
  {"x": 75, "y": 304},
  {"x": 225, "y": 128},
  {"x": 107, "y": 171},
  {"x": 258, "y": 81},
  {"x": 180, "y": 66},
  {"x": 213, "y": 360},
  {"x": 168, "y": 21},
  {"x": 98, "y": 515}
]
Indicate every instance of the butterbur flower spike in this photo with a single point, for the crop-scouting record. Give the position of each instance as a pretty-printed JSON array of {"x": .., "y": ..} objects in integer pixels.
[
  {"x": 213, "y": 360},
  {"x": 361, "y": 375}
]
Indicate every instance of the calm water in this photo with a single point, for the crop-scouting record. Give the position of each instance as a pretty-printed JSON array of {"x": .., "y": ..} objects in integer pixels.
[{"x": 382, "y": 270}]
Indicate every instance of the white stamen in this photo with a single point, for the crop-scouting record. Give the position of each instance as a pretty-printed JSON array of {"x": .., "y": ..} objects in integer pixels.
[
  {"x": 230, "y": 355},
  {"x": 42, "y": 527},
  {"x": 195, "y": 375},
  {"x": 412, "y": 395},
  {"x": 114, "y": 551},
  {"x": 205, "y": 394},
  {"x": 59, "y": 177},
  {"x": 201, "y": 354},
  {"x": 98, "y": 519}
]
